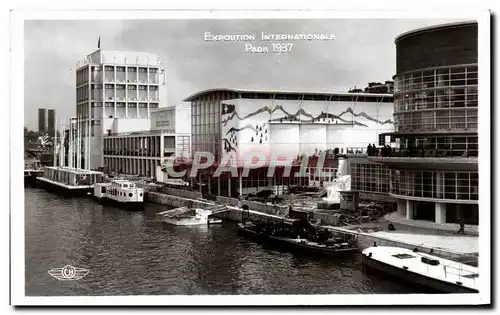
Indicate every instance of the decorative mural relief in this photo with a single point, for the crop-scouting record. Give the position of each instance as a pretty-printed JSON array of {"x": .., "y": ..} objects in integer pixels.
[{"x": 294, "y": 127}]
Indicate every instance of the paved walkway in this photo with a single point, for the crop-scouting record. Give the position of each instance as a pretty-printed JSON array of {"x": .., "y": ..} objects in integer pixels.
[
  {"x": 455, "y": 243},
  {"x": 448, "y": 227}
]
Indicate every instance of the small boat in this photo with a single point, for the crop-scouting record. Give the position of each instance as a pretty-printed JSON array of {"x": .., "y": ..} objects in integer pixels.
[
  {"x": 32, "y": 169},
  {"x": 441, "y": 275},
  {"x": 188, "y": 216},
  {"x": 69, "y": 181},
  {"x": 120, "y": 193},
  {"x": 292, "y": 238}
]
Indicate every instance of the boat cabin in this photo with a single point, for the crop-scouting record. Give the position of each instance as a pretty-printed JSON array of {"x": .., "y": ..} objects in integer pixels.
[
  {"x": 124, "y": 191},
  {"x": 72, "y": 176}
]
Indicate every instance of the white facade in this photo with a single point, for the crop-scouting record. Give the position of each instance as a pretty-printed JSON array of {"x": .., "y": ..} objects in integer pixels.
[
  {"x": 295, "y": 127},
  {"x": 173, "y": 119},
  {"x": 116, "y": 91},
  {"x": 141, "y": 153}
]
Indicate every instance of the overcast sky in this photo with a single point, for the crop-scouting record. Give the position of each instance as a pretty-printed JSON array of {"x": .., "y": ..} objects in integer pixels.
[{"x": 363, "y": 51}]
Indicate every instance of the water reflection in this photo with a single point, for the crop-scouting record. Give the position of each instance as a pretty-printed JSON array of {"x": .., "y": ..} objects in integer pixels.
[{"x": 129, "y": 253}]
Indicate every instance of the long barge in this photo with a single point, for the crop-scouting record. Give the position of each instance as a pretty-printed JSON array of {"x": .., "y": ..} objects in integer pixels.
[
  {"x": 327, "y": 246},
  {"x": 70, "y": 182}
]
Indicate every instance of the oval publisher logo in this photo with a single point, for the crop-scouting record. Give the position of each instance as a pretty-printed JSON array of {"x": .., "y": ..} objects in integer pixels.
[{"x": 68, "y": 272}]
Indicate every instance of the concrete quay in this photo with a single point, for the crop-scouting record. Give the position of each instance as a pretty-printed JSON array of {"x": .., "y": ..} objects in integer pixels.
[
  {"x": 394, "y": 217},
  {"x": 430, "y": 244}
]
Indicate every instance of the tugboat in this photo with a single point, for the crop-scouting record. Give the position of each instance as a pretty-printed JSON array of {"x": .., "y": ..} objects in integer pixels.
[
  {"x": 438, "y": 274},
  {"x": 120, "y": 193},
  {"x": 306, "y": 238}
]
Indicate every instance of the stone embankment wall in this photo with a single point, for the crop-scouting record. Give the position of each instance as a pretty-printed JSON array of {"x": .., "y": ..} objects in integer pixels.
[
  {"x": 175, "y": 201},
  {"x": 274, "y": 209}
]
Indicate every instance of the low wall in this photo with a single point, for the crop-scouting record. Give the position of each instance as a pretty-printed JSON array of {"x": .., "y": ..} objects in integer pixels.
[
  {"x": 280, "y": 210},
  {"x": 236, "y": 215},
  {"x": 363, "y": 196},
  {"x": 190, "y": 194},
  {"x": 175, "y": 201}
]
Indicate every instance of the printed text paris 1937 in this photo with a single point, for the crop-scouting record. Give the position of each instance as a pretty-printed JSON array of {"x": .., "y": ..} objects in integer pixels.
[{"x": 270, "y": 43}]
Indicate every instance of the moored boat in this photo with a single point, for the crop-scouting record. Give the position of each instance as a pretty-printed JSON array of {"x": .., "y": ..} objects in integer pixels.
[
  {"x": 188, "y": 216},
  {"x": 69, "y": 181},
  {"x": 120, "y": 193},
  {"x": 441, "y": 275},
  {"x": 32, "y": 169},
  {"x": 319, "y": 241}
]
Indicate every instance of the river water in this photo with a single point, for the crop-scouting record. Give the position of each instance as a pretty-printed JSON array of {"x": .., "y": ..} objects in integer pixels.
[{"x": 129, "y": 253}]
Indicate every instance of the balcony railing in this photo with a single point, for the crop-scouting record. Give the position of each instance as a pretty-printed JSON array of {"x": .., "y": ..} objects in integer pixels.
[{"x": 429, "y": 153}]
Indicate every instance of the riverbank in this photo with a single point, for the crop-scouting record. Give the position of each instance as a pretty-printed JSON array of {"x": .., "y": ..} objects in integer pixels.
[{"x": 461, "y": 248}]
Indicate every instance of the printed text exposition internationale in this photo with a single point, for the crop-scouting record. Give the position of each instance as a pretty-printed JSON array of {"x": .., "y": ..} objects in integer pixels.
[{"x": 278, "y": 47}]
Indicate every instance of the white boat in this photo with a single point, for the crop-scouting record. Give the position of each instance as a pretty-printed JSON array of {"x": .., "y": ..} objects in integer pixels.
[
  {"x": 69, "y": 181},
  {"x": 187, "y": 216},
  {"x": 426, "y": 270},
  {"x": 120, "y": 193}
]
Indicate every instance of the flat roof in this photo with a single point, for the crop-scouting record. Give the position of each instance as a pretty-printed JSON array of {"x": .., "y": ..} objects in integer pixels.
[
  {"x": 434, "y": 28},
  {"x": 322, "y": 93}
]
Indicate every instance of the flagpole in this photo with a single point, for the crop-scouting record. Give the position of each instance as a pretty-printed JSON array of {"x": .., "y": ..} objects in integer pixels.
[
  {"x": 54, "y": 142},
  {"x": 78, "y": 144},
  {"x": 61, "y": 147},
  {"x": 63, "y": 151},
  {"x": 70, "y": 143}
]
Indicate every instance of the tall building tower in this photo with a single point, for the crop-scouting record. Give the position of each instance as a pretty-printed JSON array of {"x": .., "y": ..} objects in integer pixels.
[
  {"x": 42, "y": 121},
  {"x": 46, "y": 121},
  {"x": 115, "y": 91},
  {"x": 51, "y": 122},
  {"x": 434, "y": 171}
]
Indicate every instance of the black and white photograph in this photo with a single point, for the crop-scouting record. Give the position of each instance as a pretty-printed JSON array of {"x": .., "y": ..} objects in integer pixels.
[{"x": 250, "y": 157}]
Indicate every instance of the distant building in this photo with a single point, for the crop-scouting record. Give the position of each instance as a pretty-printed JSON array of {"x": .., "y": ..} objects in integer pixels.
[
  {"x": 377, "y": 88},
  {"x": 42, "y": 120},
  {"x": 380, "y": 88},
  {"x": 115, "y": 92},
  {"x": 46, "y": 121},
  {"x": 51, "y": 122}
]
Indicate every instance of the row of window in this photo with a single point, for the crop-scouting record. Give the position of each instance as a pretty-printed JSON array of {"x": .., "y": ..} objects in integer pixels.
[
  {"x": 432, "y": 78},
  {"x": 131, "y": 166},
  {"x": 123, "y": 87},
  {"x": 122, "y": 69},
  {"x": 436, "y": 120},
  {"x": 123, "y": 104},
  {"x": 437, "y": 146},
  {"x": 445, "y": 98},
  {"x": 433, "y": 184},
  {"x": 370, "y": 178}
]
